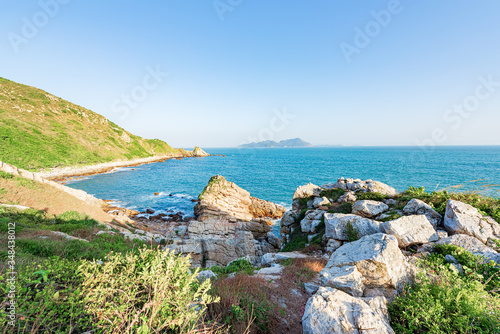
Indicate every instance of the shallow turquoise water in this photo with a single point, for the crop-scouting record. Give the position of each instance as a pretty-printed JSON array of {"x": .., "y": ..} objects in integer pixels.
[{"x": 274, "y": 174}]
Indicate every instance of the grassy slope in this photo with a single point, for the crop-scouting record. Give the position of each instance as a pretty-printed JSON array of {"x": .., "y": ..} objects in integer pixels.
[{"x": 39, "y": 130}]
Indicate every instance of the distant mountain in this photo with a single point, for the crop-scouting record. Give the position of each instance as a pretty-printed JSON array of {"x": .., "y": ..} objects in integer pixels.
[{"x": 296, "y": 142}]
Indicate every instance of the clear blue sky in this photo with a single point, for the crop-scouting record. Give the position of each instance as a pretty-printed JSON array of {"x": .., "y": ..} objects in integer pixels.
[{"x": 231, "y": 67}]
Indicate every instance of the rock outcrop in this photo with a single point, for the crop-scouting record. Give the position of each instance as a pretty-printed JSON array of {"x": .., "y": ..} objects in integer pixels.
[
  {"x": 336, "y": 225},
  {"x": 198, "y": 152},
  {"x": 229, "y": 224},
  {"x": 225, "y": 200}
]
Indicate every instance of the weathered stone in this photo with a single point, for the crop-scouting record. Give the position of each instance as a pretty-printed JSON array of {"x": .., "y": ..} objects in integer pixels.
[
  {"x": 288, "y": 218},
  {"x": 363, "y": 186},
  {"x": 348, "y": 197},
  {"x": 225, "y": 200},
  {"x": 271, "y": 273},
  {"x": 463, "y": 218},
  {"x": 307, "y": 191},
  {"x": 418, "y": 207},
  {"x": 333, "y": 311},
  {"x": 472, "y": 245},
  {"x": 377, "y": 257},
  {"x": 311, "y": 287},
  {"x": 346, "y": 278},
  {"x": 442, "y": 234},
  {"x": 273, "y": 240},
  {"x": 332, "y": 245},
  {"x": 411, "y": 230},
  {"x": 311, "y": 221},
  {"x": 336, "y": 226},
  {"x": 320, "y": 201},
  {"x": 368, "y": 208}
]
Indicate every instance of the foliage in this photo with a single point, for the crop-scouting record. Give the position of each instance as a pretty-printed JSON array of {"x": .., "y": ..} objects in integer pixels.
[
  {"x": 245, "y": 305},
  {"x": 151, "y": 291},
  {"x": 342, "y": 208},
  {"x": 444, "y": 301},
  {"x": 5, "y": 175},
  {"x": 352, "y": 232},
  {"x": 374, "y": 196},
  {"x": 154, "y": 290},
  {"x": 391, "y": 216},
  {"x": 237, "y": 266}
]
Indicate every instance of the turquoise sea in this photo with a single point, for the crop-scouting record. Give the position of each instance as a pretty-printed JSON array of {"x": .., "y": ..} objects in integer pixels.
[{"x": 274, "y": 173}]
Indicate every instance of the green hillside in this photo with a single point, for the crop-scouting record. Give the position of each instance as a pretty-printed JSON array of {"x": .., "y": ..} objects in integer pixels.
[{"x": 39, "y": 130}]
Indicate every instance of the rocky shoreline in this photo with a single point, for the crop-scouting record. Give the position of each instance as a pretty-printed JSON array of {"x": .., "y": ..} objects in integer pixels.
[{"x": 64, "y": 173}]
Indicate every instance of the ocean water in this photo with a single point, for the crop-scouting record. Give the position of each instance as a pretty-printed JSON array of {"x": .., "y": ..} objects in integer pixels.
[{"x": 274, "y": 174}]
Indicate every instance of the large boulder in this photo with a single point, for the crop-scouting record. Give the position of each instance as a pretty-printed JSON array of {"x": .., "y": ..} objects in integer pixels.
[
  {"x": 198, "y": 152},
  {"x": 307, "y": 190},
  {"x": 472, "y": 245},
  {"x": 463, "y": 218},
  {"x": 336, "y": 226},
  {"x": 333, "y": 311},
  {"x": 418, "y": 207},
  {"x": 377, "y": 257},
  {"x": 363, "y": 186},
  {"x": 225, "y": 200},
  {"x": 368, "y": 208},
  {"x": 411, "y": 230},
  {"x": 346, "y": 278}
]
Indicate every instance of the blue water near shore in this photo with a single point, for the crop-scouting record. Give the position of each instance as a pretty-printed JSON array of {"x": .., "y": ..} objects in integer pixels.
[{"x": 274, "y": 174}]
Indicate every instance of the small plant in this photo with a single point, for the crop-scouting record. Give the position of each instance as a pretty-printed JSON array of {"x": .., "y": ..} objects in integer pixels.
[
  {"x": 5, "y": 175},
  {"x": 393, "y": 215},
  {"x": 352, "y": 232},
  {"x": 237, "y": 266},
  {"x": 333, "y": 194},
  {"x": 374, "y": 196},
  {"x": 342, "y": 208}
]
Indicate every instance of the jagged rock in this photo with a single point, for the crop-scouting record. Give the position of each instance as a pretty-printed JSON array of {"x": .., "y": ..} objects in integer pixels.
[
  {"x": 377, "y": 257},
  {"x": 418, "y": 207},
  {"x": 307, "y": 191},
  {"x": 225, "y": 200},
  {"x": 320, "y": 201},
  {"x": 346, "y": 278},
  {"x": 336, "y": 225},
  {"x": 348, "y": 197},
  {"x": 273, "y": 240},
  {"x": 311, "y": 221},
  {"x": 288, "y": 218},
  {"x": 333, "y": 311},
  {"x": 368, "y": 208},
  {"x": 463, "y": 218},
  {"x": 332, "y": 245},
  {"x": 472, "y": 245},
  {"x": 363, "y": 186},
  {"x": 411, "y": 230}
]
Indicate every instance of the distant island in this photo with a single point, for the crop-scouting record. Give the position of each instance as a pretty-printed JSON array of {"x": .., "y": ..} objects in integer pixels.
[{"x": 296, "y": 142}]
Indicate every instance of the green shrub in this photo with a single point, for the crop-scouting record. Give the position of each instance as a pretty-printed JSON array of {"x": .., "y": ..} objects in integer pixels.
[
  {"x": 154, "y": 290},
  {"x": 352, "y": 232},
  {"x": 444, "y": 301},
  {"x": 5, "y": 175},
  {"x": 374, "y": 196},
  {"x": 237, "y": 266},
  {"x": 333, "y": 194},
  {"x": 392, "y": 216},
  {"x": 342, "y": 208}
]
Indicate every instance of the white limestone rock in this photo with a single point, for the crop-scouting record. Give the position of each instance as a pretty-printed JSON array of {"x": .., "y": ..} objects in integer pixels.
[
  {"x": 369, "y": 208},
  {"x": 463, "y": 218},
  {"x": 418, "y": 207},
  {"x": 333, "y": 311},
  {"x": 411, "y": 230},
  {"x": 336, "y": 226}
]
